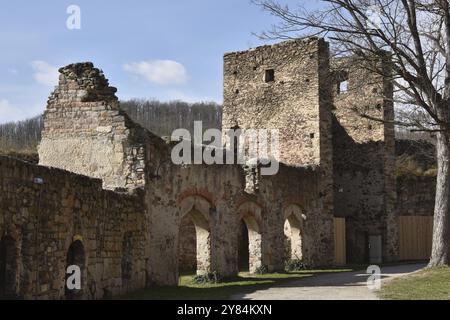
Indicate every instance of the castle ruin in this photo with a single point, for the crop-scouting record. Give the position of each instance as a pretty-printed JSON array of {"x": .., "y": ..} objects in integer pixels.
[{"x": 107, "y": 197}]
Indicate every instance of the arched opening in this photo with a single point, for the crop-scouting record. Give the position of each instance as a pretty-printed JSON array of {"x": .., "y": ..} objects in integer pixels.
[
  {"x": 75, "y": 257},
  {"x": 8, "y": 268},
  {"x": 243, "y": 248},
  {"x": 194, "y": 244},
  {"x": 293, "y": 238},
  {"x": 249, "y": 245}
]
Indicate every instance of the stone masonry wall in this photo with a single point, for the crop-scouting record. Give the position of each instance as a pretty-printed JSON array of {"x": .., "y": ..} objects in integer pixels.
[
  {"x": 415, "y": 196},
  {"x": 217, "y": 194},
  {"x": 86, "y": 132},
  {"x": 297, "y": 102},
  {"x": 364, "y": 159},
  {"x": 45, "y": 210},
  {"x": 187, "y": 246},
  {"x": 290, "y": 103}
]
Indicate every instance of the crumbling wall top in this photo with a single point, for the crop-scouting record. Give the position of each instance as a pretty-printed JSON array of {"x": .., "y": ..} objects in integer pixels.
[
  {"x": 82, "y": 82},
  {"x": 297, "y": 41}
]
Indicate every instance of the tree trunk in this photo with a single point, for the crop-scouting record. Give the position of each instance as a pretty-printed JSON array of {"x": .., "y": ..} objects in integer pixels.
[{"x": 441, "y": 232}]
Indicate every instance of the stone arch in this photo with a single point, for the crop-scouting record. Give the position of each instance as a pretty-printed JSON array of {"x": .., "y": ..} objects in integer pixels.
[
  {"x": 249, "y": 238},
  {"x": 293, "y": 232},
  {"x": 9, "y": 268},
  {"x": 76, "y": 256},
  {"x": 194, "y": 235},
  {"x": 197, "y": 202}
]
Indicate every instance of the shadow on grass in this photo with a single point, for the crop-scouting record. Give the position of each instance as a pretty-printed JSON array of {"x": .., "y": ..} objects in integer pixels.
[{"x": 242, "y": 284}]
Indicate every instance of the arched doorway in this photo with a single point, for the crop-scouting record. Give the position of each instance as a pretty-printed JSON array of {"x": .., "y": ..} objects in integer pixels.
[
  {"x": 8, "y": 268},
  {"x": 293, "y": 238},
  {"x": 75, "y": 257},
  {"x": 243, "y": 248},
  {"x": 194, "y": 244},
  {"x": 249, "y": 245}
]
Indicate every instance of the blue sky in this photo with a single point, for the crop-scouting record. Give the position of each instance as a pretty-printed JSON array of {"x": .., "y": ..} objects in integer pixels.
[{"x": 159, "y": 49}]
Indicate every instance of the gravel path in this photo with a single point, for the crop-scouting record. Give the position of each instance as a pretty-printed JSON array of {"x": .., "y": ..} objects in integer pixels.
[{"x": 336, "y": 286}]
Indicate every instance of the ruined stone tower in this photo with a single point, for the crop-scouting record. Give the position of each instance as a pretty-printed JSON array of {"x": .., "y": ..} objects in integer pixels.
[
  {"x": 318, "y": 108},
  {"x": 284, "y": 87},
  {"x": 363, "y": 157},
  {"x": 287, "y": 86},
  {"x": 85, "y": 131}
]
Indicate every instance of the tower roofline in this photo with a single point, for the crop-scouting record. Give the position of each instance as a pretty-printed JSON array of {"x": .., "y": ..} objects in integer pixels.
[{"x": 305, "y": 40}]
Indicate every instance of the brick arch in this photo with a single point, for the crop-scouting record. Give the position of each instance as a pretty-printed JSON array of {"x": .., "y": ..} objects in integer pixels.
[
  {"x": 196, "y": 210},
  {"x": 197, "y": 203},
  {"x": 194, "y": 192},
  {"x": 296, "y": 209},
  {"x": 251, "y": 209}
]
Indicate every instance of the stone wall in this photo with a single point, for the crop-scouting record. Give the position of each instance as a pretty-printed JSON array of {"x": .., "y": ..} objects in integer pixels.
[
  {"x": 415, "y": 196},
  {"x": 217, "y": 194},
  {"x": 216, "y": 198},
  {"x": 364, "y": 158},
  {"x": 292, "y": 102},
  {"x": 45, "y": 210},
  {"x": 86, "y": 132},
  {"x": 287, "y": 87},
  {"x": 187, "y": 250}
]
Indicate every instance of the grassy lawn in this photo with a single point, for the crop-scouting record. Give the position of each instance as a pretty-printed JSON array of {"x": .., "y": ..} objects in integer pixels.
[
  {"x": 244, "y": 283},
  {"x": 429, "y": 284}
]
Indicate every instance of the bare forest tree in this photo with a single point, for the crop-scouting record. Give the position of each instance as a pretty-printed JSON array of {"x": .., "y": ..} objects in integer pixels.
[
  {"x": 21, "y": 136},
  {"x": 413, "y": 36},
  {"x": 159, "y": 117},
  {"x": 164, "y": 117}
]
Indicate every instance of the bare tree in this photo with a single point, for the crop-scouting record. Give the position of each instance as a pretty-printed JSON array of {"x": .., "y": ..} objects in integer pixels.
[
  {"x": 163, "y": 117},
  {"x": 21, "y": 136},
  {"x": 414, "y": 37},
  {"x": 159, "y": 117}
]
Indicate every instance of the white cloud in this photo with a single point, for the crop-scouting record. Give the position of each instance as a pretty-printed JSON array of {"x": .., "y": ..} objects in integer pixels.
[
  {"x": 10, "y": 112},
  {"x": 44, "y": 73},
  {"x": 162, "y": 72}
]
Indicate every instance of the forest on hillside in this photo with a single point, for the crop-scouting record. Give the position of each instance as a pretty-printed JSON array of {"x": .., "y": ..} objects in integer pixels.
[
  {"x": 159, "y": 117},
  {"x": 21, "y": 136},
  {"x": 164, "y": 117}
]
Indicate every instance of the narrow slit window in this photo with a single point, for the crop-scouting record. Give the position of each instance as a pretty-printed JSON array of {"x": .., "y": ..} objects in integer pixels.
[
  {"x": 343, "y": 87},
  {"x": 342, "y": 83},
  {"x": 269, "y": 75}
]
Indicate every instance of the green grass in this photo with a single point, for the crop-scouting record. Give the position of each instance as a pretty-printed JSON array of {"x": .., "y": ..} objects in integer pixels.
[
  {"x": 244, "y": 283},
  {"x": 428, "y": 284}
]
